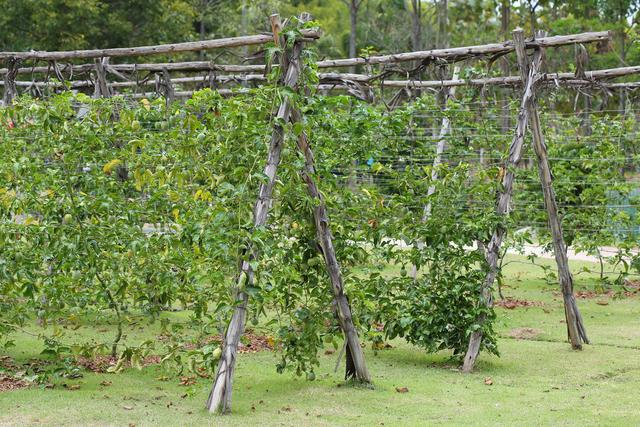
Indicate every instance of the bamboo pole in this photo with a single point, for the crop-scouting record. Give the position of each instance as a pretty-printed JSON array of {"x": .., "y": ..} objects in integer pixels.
[{"x": 492, "y": 252}]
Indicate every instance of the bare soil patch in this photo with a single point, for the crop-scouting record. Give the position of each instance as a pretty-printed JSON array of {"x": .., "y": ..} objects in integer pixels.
[
  {"x": 524, "y": 333},
  {"x": 513, "y": 303}
]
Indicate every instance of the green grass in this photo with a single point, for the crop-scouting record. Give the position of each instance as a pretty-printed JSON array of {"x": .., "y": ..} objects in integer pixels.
[{"x": 535, "y": 382}]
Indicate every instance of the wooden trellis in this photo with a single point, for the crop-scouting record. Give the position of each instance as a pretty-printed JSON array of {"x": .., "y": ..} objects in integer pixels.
[{"x": 531, "y": 79}]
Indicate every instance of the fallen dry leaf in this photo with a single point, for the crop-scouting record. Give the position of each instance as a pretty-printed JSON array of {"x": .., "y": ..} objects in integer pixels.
[
  {"x": 71, "y": 386},
  {"x": 187, "y": 380},
  {"x": 488, "y": 381},
  {"x": 602, "y": 302},
  {"x": 127, "y": 408},
  {"x": 402, "y": 389},
  {"x": 106, "y": 383}
]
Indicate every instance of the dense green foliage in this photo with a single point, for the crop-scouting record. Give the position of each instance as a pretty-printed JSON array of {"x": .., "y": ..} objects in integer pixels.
[{"x": 110, "y": 208}]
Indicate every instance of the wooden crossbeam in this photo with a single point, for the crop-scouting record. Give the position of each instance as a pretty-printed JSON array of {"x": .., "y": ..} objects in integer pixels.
[{"x": 151, "y": 50}]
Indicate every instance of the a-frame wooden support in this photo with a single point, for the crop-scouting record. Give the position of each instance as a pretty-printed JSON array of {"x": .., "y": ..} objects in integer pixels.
[
  {"x": 528, "y": 115},
  {"x": 575, "y": 327},
  {"x": 220, "y": 397}
]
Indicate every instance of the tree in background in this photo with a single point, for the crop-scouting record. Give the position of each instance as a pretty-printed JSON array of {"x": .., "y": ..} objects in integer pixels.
[{"x": 84, "y": 24}]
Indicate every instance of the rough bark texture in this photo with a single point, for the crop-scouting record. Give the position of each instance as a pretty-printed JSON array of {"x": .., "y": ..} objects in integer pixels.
[
  {"x": 356, "y": 367},
  {"x": 220, "y": 396},
  {"x": 492, "y": 252},
  {"x": 152, "y": 50},
  {"x": 101, "y": 89},
  {"x": 575, "y": 327},
  {"x": 460, "y": 53},
  {"x": 10, "y": 90}
]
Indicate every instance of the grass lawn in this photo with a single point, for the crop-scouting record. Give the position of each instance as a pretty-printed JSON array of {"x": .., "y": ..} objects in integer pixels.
[{"x": 538, "y": 381}]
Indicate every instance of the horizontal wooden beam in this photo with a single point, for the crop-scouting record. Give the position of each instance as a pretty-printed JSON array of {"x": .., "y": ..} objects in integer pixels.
[
  {"x": 157, "y": 67},
  {"x": 460, "y": 53},
  {"x": 343, "y": 88},
  {"x": 444, "y": 54},
  {"x": 79, "y": 84},
  {"x": 151, "y": 50},
  {"x": 590, "y": 77},
  {"x": 342, "y": 79}
]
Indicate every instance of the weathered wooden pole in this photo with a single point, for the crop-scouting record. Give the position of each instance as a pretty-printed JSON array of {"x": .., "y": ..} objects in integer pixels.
[
  {"x": 10, "y": 90},
  {"x": 101, "y": 89},
  {"x": 575, "y": 327},
  {"x": 445, "y": 128},
  {"x": 220, "y": 397},
  {"x": 492, "y": 250},
  {"x": 356, "y": 367},
  {"x": 164, "y": 86}
]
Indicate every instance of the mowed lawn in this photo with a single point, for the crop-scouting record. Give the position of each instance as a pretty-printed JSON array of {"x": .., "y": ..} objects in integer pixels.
[{"x": 536, "y": 381}]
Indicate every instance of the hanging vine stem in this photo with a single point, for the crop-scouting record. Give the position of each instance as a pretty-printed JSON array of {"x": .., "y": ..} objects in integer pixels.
[{"x": 112, "y": 302}]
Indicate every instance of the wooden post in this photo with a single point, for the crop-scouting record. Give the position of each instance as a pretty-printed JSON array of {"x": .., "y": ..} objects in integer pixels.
[
  {"x": 101, "y": 89},
  {"x": 166, "y": 86},
  {"x": 220, "y": 397},
  {"x": 10, "y": 90},
  {"x": 356, "y": 367},
  {"x": 162, "y": 49},
  {"x": 492, "y": 251},
  {"x": 575, "y": 327},
  {"x": 445, "y": 127}
]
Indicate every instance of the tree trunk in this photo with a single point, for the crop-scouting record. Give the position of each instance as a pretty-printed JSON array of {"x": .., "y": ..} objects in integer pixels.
[
  {"x": 220, "y": 396},
  {"x": 492, "y": 252},
  {"x": 443, "y": 24},
  {"x": 353, "y": 20},
  {"x": 505, "y": 17},
  {"x": 416, "y": 25},
  {"x": 356, "y": 367},
  {"x": 202, "y": 34}
]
